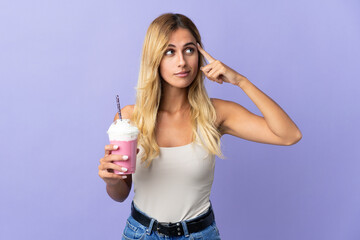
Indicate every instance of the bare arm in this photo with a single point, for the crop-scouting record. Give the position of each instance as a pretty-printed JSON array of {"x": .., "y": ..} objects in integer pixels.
[
  {"x": 275, "y": 127},
  {"x": 275, "y": 118}
]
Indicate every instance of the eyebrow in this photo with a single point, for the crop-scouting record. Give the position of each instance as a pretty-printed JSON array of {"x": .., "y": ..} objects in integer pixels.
[{"x": 186, "y": 44}]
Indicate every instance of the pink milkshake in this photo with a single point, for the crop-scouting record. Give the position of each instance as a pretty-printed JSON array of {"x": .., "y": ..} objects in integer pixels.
[{"x": 123, "y": 134}]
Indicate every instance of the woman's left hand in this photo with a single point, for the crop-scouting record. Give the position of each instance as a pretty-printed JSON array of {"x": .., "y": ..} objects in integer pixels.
[{"x": 218, "y": 72}]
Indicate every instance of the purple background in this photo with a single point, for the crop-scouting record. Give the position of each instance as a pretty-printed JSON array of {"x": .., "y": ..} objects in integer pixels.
[{"x": 63, "y": 62}]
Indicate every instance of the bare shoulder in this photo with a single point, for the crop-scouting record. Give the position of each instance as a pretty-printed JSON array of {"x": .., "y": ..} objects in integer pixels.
[
  {"x": 218, "y": 103},
  {"x": 126, "y": 112},
  {"x": 224, "y": 110},
  {"x": 219, "y": 106},
  {"x": 222, "y": 107}
]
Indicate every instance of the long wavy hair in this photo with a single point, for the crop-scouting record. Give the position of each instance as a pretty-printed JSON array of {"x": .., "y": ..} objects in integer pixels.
[{"x": 148, "y": 90}]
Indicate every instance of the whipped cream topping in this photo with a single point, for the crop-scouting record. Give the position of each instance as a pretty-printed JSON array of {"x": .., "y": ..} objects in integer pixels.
[{"x": 122, "y": 130}]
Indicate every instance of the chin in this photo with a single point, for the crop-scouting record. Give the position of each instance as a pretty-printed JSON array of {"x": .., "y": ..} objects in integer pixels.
[
  {"x": 179, "y": 83},
  {"x": 184, "y": 85}
]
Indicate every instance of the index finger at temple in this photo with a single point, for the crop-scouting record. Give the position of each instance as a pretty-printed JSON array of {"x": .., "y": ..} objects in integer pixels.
[{"x": 205, "y": 54}]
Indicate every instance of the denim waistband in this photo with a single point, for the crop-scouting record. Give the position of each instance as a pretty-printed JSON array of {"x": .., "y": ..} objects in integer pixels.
[{"x": 174, "y": 229}]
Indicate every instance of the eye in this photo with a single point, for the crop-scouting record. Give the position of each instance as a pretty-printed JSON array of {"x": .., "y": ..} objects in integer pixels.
[
  {"x": 190, "y": 50},
  {"x": 169, "y": 52}
]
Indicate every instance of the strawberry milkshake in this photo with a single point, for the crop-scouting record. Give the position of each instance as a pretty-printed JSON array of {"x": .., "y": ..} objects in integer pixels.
[{"x": 124, "y": 135}]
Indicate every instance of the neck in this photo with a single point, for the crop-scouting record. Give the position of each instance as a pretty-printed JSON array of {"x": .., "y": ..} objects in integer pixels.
[{"x": 173, "y": 100}]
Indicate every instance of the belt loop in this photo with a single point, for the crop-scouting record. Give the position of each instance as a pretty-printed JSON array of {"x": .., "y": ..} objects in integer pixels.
[
  {"x": 186, "y": 231},
  {"x": 149, "y": 229}
]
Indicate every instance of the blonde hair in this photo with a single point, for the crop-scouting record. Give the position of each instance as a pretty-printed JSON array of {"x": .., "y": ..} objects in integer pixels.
[{"x": 202, "y": 112}]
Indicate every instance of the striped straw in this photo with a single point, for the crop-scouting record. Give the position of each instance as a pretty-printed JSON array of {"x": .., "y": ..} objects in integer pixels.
[{"x": 118, "y": 106}]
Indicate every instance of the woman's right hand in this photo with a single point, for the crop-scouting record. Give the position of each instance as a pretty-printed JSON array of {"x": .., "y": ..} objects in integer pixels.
[{"x": 107, "y": 167}]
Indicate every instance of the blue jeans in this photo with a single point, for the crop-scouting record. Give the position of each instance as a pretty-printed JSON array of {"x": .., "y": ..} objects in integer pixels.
[{"x": 135, "y": 230}]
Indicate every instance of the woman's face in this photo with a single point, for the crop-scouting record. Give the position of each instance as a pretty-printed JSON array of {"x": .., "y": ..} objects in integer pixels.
[{"x": 179, "y": 64}]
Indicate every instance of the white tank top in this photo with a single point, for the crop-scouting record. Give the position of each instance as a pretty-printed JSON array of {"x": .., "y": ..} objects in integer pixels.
[{"x": 177, "y": 184}]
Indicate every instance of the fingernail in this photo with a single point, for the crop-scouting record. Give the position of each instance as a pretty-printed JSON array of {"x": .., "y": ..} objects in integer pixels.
[
  {"x": 198, "y": 44},
  {"x": 115, "y": 146},
  {"x": 124, "y": 177},
  {"x": 125, "y": 157},
  {"x": 123, "y": 169}
]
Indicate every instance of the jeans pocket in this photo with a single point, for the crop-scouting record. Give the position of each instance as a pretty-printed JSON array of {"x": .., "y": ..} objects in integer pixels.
[{"x": 133, "y": 230}]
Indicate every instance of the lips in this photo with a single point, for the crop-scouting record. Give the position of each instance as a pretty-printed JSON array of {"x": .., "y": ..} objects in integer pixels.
[{"x": 182, "y": 74}]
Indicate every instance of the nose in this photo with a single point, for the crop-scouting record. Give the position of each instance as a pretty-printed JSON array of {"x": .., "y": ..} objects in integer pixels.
[{"x": 181, "y": 60}]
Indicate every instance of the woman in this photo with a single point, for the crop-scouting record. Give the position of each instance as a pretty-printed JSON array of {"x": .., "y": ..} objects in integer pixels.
[{"x": 180, "y": 130}]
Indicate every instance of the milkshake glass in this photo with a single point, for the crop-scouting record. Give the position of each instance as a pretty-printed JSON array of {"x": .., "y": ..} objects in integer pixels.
[{"x": 124, "y": 135}]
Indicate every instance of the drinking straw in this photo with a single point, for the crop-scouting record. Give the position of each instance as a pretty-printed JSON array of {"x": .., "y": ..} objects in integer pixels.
[{"x": 118, "y": 106}]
